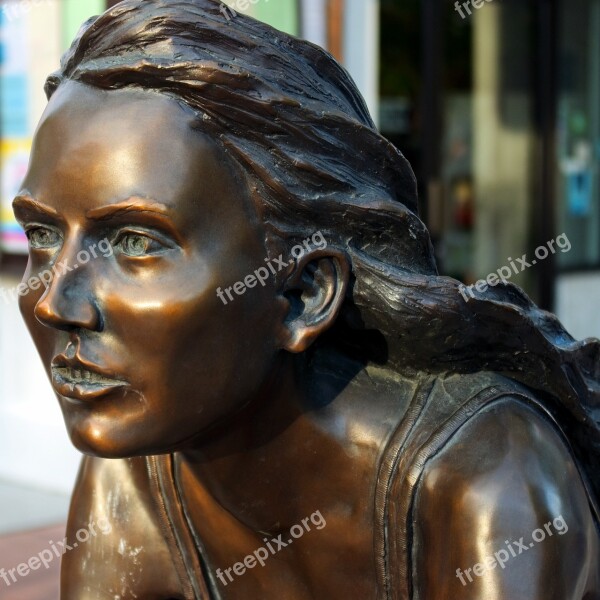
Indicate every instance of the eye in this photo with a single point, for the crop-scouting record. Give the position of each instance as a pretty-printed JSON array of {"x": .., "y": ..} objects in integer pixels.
[
  {"x": 42, "y": 238},
  {"x": 138, "y": 244}
]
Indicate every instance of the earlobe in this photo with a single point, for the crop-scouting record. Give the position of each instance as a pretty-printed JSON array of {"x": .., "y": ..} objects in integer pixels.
[{"x": 315, "y": 292}]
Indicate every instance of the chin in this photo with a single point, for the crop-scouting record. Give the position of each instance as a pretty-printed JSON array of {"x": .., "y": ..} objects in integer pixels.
[
  {"x": 101, "y": 441},
  {"x": 117, "y": 442},
  {"x": 92, "y": 444}
]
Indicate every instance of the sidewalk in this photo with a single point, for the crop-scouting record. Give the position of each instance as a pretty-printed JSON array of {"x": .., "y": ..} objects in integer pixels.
[{"x": 16, "y": 548}]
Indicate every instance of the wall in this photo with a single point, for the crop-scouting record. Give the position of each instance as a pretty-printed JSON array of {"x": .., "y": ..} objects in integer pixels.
[{"x": 577, "y": 299}]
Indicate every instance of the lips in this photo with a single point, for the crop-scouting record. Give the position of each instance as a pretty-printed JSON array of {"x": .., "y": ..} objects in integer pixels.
[{"x": 82, "y": 381}]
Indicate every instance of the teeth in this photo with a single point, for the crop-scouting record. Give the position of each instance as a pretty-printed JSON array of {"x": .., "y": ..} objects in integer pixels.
[{"x": 75, "y": 376}]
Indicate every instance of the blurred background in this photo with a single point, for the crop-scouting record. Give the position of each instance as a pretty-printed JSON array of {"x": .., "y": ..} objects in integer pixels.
[{"x": 496, "y": 104}]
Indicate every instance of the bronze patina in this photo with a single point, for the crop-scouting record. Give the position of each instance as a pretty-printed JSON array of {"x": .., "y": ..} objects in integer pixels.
[{"x": 277, "y": 395}]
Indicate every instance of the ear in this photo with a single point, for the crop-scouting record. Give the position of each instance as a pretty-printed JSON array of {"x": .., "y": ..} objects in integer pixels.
[{"x": 315, "y": 292}]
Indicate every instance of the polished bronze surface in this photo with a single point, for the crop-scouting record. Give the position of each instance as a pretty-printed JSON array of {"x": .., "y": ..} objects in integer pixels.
[{"x": 239, "y": 311}]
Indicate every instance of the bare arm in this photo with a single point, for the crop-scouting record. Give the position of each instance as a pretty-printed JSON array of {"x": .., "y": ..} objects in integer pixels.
[{"x": 502, "y": 514}]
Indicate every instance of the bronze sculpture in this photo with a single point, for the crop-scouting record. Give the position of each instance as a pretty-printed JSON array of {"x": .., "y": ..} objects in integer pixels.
[{"x": 345, "y": 425}]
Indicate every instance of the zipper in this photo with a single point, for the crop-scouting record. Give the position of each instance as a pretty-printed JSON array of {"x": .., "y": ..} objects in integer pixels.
[{"x": 168, "y": 530}]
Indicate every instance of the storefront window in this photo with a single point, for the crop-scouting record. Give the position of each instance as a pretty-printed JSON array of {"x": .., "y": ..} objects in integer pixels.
[
  {"x": 475, "y": 164},
  {"x": 578, "y": 184}
]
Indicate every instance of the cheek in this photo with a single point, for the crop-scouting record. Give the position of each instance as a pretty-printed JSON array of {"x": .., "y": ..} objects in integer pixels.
[
  {"x": 211, "y": 361},
  {"x": 186, "y": 342}
]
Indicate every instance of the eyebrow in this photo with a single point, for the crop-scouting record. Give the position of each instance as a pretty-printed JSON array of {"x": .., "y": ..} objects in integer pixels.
[
  {"x": 143, "y": 209},
  {"x": 131, "y": 205},
  {"x": 25, "y": 203}
]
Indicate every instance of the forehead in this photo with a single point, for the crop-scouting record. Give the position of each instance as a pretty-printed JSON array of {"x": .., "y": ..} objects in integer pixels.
[{"x": 99, "y": 147}]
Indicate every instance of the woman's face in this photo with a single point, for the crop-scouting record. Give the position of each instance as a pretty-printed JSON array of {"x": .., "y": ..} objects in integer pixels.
[{"x": 142, "y": 353}]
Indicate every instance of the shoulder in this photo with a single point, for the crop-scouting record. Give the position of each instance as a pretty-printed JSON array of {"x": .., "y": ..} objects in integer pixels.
[
  {"x": 502, "y": 505},
  {"x": 114, "y": 509}
]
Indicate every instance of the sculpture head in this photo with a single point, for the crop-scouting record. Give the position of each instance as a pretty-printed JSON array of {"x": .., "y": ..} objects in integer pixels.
[
  {"x": 141, "y": 351},
  {"x": 204, "y": 148}
]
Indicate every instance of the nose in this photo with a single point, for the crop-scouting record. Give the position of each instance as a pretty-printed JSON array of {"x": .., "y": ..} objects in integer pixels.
[{"x": 68, "y": 304}]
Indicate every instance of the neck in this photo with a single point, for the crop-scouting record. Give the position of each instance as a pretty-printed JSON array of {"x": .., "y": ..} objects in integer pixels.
[
  {"x": 280, "y": 444},
  {"x": 306, "y": 453}
]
